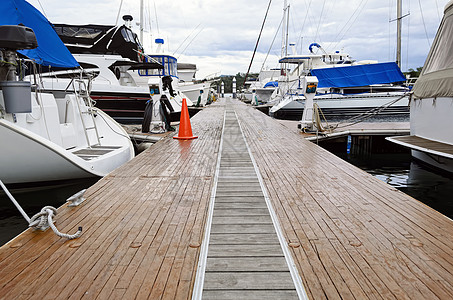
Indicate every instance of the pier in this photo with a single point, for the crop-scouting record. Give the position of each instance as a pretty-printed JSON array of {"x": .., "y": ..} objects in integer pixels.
[{"x": 249, "y": 210}]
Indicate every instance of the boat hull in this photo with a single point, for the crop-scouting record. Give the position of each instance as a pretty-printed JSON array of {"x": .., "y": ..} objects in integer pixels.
[
  {"x": 41, "y": 147},
  {"x": 345, "y": 107},
  {"x": 431, "y": 119},
  {"x": 28, "y": 158}
]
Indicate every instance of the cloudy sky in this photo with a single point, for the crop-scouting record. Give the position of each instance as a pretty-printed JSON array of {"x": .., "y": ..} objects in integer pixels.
[{"x": 220, "y": 35}]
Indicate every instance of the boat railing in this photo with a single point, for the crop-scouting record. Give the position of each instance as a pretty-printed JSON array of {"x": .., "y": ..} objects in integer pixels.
[{"x": 81, "y": 92}]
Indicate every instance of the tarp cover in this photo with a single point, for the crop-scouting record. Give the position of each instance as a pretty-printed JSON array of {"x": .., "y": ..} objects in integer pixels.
[
  {"x": 436, "y": 79},
  {"x": 271, "y": 84},
  {"x": 51, "y": 51},
  {"x": 361, "y": 75}
]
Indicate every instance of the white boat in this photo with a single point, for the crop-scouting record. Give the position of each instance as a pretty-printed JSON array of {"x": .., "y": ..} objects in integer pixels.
[
  {"x": 345, "y": 87},
  {"x": 114, "y": 58},
  {"x": 431, "y": 106},
  {"x": 152, "y": 78},
  {"x": 259, "y": 90},
  {"x": 197, "y": 91},
  {"x": 47, "y": 138}
]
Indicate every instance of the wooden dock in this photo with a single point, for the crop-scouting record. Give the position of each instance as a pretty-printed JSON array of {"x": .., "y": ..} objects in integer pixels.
[{"x": 349, "y": 235}]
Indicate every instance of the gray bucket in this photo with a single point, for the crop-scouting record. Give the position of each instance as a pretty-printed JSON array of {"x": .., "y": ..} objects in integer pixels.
[{"x": 17, "y": 96}]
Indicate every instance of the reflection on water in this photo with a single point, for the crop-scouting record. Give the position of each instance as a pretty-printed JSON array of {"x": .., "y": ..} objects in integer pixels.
[
  {"x": 32, "y": 201},
  {"x": 425, "y": 184}
]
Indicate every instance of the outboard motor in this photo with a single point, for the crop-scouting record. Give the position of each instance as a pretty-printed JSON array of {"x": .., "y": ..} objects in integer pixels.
[{"x": 16, "y": 94}]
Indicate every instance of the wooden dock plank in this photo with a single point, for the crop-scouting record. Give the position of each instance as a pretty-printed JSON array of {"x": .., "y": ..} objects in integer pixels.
[
  {"x": 352, "y": 236},
  {"x": 248, "y": 281},
  {"x": 355, "y": 209}
]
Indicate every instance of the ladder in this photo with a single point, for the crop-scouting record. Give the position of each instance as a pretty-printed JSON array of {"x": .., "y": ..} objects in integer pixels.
[{"x": 82, "y": 93}]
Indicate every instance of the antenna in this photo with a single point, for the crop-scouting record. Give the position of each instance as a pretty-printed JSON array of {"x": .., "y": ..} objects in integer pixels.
[{"x": 119, "y": 11}]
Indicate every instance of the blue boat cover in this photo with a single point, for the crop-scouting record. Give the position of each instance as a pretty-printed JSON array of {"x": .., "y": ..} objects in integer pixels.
[
  {"x": 50, "y": 51},
  {"x": 362, "y": 75},
  {"x": 271, "y": 84}
]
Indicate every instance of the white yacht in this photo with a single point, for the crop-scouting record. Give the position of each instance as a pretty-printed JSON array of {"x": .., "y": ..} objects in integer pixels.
[
  {"x": 346, "y": 87},
  {"x": 114, "y": 59},
  {"x": 261, "y": 87},
  {"x": 44, "y": 137},
  {"x": 431, "y": 106},
  {"x": 198, "y": 91}
]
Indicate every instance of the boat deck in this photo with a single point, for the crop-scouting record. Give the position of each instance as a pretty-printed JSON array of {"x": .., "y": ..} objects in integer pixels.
[
  {"x": 424, "y": 145},
  {"x": 348, "y": 234}
]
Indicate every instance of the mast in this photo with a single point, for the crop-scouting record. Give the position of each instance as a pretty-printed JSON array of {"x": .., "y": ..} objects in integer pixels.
[
  {"x": 141, "y": 21},
  {"x": 284, "y": 29},
  {"x": 284, "y": 37},
  {"x": 399, "y": 20}
]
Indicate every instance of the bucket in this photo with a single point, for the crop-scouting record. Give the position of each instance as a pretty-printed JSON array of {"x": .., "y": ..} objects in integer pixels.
[{"x": 17, "y": 96}]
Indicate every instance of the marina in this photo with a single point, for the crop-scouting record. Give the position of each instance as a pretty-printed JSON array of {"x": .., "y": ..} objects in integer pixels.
[
  {"x": 325, "y": 174},
  {"x": 350, "y": 235}
]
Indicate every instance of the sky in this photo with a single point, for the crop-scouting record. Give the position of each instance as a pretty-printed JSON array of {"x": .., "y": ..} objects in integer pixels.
[{"x": 219, "y": 36}]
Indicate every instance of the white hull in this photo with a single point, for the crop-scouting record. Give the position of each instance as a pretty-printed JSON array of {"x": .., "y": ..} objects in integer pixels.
[
  {"x": 50, "y": 144},
  {"x": 337, "y": 106},
  {"x": 264, "y": 94},
  {"x": 432, "y": 119},
  {"x": 192, "y": 91}
]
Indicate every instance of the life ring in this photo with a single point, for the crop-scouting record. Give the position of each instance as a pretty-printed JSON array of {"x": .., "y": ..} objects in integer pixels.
[{"x": 313, "y": 45}]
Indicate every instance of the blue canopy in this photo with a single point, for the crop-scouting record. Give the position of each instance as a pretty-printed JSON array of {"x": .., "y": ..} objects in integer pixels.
[
  {"x": 362, "y": 75},
  {"x": 271, "y": 84},
  {"x": 51, "y": 51}
]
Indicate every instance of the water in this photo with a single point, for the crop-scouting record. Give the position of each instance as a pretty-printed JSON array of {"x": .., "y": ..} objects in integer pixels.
[
  {"x": 400, "y": 170},
  {"x": 32, "y": 201}
]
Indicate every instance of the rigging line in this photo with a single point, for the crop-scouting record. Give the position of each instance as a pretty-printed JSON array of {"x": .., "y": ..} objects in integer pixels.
[
  {"x": 424, "y": 25},
  {"x": 193, "y": 30},
  {"x": 44, "y": 12},
  {"x": 190, "y": 42},
  {"x": 149, "y": 23},
  {"x": 346, "y": 24},
  {"x": 320, "y": 18},
  {"x": 437, "y": 8},
  {"x": 407, "y": 41},
  {"x": 272, "y": 44},
  {"x": 157, "y": 22},
  {"x": 256, "y": 45},
  {"x": 119, "y": 11},
  {"x": 305, "y": 19},
  {"x": 352, "y": 23}
]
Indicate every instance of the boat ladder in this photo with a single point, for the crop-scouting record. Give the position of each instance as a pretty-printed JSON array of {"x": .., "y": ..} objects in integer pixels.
[{"x": 82, "y": 93}]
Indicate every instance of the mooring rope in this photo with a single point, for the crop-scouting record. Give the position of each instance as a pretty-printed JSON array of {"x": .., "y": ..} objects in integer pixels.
[{"x": 43, "y": 220}]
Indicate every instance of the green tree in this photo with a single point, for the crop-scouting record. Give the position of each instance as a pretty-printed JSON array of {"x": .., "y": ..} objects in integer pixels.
[{"x": 413, "y": 73}]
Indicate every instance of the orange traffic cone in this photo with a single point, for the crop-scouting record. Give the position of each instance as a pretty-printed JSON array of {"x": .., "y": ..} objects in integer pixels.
[{"x": 185, "y": 130}]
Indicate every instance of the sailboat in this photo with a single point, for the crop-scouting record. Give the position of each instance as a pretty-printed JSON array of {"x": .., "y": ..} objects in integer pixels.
[
  {"x": 431, "y": 106},
  {"x": 47, "y": 137},
  {"x": 346, "y": 87}
]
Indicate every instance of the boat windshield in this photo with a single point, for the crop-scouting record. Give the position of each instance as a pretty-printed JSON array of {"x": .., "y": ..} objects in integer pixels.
[
  {"x": 169, "y": 63},
  {"x": 441, "y": 55}
]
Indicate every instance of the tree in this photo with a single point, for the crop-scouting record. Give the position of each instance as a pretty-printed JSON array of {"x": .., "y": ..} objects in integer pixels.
[{"x": 413, "y": 73}]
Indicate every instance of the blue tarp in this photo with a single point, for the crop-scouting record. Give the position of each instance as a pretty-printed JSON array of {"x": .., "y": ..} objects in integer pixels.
[
  {"x": 51, "y": 51},
  {"x": 362, "y": 75},
  {"x": 271, "y": 84}
]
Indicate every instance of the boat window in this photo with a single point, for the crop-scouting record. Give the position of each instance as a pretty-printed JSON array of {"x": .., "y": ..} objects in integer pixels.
[
  {"x": 166, "y": 67},
  {"x": 125, "y": 35},
  {"x": 131, "y": 36},
  {"x": 79, "y": 32},
  {"x": 441, "y": 56},
  {"x": 151, "y": 72}
]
